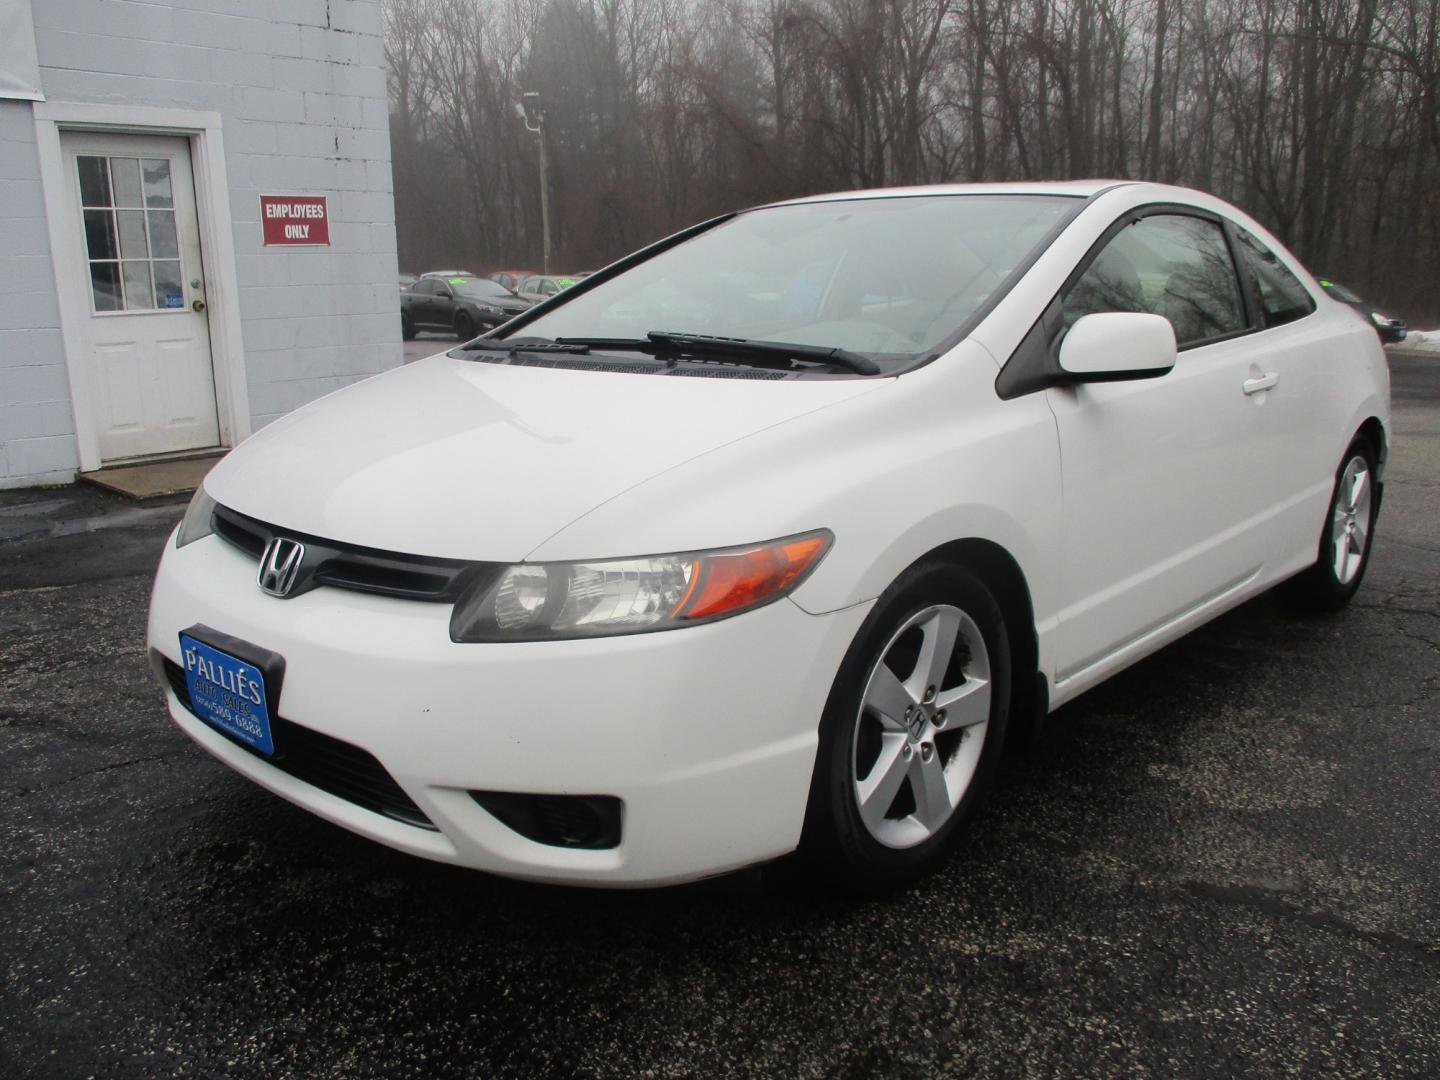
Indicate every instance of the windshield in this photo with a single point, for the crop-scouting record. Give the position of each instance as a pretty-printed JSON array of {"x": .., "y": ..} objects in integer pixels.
[
  {"x": 477, "y": 288},
  {"x": 887, "y": 276}
]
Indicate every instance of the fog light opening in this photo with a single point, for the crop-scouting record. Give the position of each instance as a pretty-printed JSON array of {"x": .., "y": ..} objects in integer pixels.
[{"x": 587, "y": 822}]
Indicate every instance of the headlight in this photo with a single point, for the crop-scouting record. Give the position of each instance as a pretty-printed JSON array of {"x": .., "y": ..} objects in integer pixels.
[
  {"x": 195, "y": 525},
  {"x": 551, "y": 601},
  {"x": 486, "y": 309},
  {"x": 1381, "y": 320}
]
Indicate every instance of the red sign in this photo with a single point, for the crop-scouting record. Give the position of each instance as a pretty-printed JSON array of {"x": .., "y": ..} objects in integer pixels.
[{"x": 295, "y": 219}]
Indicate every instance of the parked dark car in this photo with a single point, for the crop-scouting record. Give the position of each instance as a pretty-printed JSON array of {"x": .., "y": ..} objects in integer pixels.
[
  {"x": 1390, "y": 329},
  {"x": 464, "y": 304}
]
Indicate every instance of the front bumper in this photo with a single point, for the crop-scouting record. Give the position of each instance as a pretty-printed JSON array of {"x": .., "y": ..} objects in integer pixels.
[{"x": 706, "y": 734}]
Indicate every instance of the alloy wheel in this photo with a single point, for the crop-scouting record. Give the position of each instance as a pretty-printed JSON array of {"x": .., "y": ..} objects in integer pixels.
[
  {"x": 921, "y": 728},
  {"x": 1350, "y": 520}
]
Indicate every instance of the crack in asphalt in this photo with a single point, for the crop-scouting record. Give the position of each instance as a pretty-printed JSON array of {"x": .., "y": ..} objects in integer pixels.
[
  {"x": 1398, "y": 610},
  {"x": 90, "y": 583},
  {"x": 21, "y": 793},
  {"x": 1413, "y": 547},
  {"x": 1417, "y": 637},
  {"x": 35, "y": 590},
  {"x": 1268, "y": 902}
]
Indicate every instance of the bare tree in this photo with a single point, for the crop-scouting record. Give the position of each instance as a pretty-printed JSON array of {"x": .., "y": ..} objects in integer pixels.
[{"x": 1321, "y": 117}]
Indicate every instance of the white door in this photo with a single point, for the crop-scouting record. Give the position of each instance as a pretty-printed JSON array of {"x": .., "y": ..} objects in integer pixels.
[
  {"x": 1169, "y": 483},
  {"x": 147, "y": 336}
]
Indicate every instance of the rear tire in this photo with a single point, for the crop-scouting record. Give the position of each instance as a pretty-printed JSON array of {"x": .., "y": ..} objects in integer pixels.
[
  {"x": 1347, "y": 537},
  {"x": 913, "y": 730},
  {"x": 407, "y": 328}
]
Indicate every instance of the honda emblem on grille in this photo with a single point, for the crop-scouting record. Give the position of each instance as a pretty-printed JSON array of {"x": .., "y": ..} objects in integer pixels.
[{"x": 280, "y": 566}]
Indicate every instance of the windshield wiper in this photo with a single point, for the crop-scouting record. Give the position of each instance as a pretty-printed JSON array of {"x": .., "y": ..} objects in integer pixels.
[
  {"x": 861, "y": 365},
  {"x": 672, "y": 341},
  {"x": 529, "y": 345}
]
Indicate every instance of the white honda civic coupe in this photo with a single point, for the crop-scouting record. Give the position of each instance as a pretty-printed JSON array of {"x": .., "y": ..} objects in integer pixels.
[{"x": 760, "y": 539}]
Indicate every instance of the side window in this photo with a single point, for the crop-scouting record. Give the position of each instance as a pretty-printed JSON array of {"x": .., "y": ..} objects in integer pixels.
[
  {"x": 548, "y": 287},
  {"x": 1166, "y": 264},
  {"x": 425, "y": 287},
  {"x": 1282, "y": 298}
]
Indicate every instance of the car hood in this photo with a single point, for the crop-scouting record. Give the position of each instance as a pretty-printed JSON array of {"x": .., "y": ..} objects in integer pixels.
[{"x": 473, "y": 460}]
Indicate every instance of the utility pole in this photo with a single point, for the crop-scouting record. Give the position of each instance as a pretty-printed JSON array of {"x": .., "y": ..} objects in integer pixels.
[{"x": 535, "y": 121}]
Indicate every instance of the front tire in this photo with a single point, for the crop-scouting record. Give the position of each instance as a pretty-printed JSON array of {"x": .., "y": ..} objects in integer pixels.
[
  {"x": 464, "y": 327},
  {"x": 1345, "y": 542},
  {"x": 913, "y": 730}
]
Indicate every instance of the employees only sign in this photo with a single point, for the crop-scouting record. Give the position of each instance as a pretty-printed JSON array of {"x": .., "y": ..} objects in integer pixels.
[{"x": 295, "y": 219}]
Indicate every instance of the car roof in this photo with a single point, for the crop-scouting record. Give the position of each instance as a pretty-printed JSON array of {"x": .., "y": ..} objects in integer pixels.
[
  {"x": 1106, "y": 196},
  {"x": 1082, "y": 189}
]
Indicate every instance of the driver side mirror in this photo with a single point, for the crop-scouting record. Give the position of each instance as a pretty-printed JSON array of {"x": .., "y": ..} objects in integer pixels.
[{"x": 1112, "y": 346}]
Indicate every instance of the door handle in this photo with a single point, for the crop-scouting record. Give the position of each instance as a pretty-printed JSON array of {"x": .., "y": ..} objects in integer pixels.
[
  {"x": 197, "y": 305},
  {"x": 1264, "y": 382}
]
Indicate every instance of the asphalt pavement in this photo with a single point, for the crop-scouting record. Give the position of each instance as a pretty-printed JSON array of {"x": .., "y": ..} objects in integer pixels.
[
  {"x": 1222, "y": 862},
  {"x": 427, "y": 344}
]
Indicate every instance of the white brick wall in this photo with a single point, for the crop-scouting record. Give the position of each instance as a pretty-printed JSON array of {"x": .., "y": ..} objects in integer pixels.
[
  {"x": 37, "y": 427},
  {"x": 300, "y": 87}
]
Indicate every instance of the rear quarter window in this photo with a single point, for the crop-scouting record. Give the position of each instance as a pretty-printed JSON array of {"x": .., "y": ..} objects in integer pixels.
[{"x": 1282, "y": 298}]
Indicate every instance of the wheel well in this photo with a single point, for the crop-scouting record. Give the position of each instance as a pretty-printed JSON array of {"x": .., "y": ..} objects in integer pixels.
[
  {"x": 1002, "y": 573},
  {"x": 1374, "y": 433}
]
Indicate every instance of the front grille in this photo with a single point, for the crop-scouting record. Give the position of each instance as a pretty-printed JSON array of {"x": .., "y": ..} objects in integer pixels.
[
  {"x": 327, "y": 763},
  {"x": 349, "y": 566}
]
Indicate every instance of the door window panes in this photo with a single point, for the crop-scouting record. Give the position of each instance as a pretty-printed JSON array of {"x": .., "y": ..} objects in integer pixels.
[
  {"x": 131, "y": 234},
  {"x": 100, "y": 234},
  {"x": 125, "y": 179},
  {"x": 105, "y": 286},
  {"x": 164, "y": 244},
  {"x": 94, "y": 182},
  {"x": 1166, "y": 264},
  {"x": 138, "y": 294},
  {"x": 1282, "y": 298},
  {"x": 157, "y": 183},
  {"x": 169, "y": 291}
]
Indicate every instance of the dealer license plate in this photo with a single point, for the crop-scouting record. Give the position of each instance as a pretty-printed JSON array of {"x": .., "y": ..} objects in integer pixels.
[{"x": 227, "y": 693}]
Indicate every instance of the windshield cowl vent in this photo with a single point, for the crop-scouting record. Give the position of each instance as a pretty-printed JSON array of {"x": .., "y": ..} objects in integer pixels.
[{"x": 714, "y": 369}]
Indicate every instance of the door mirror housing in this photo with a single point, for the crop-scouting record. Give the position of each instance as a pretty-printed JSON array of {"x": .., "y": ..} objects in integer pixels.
[{"x": 1112, "y": 346}]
